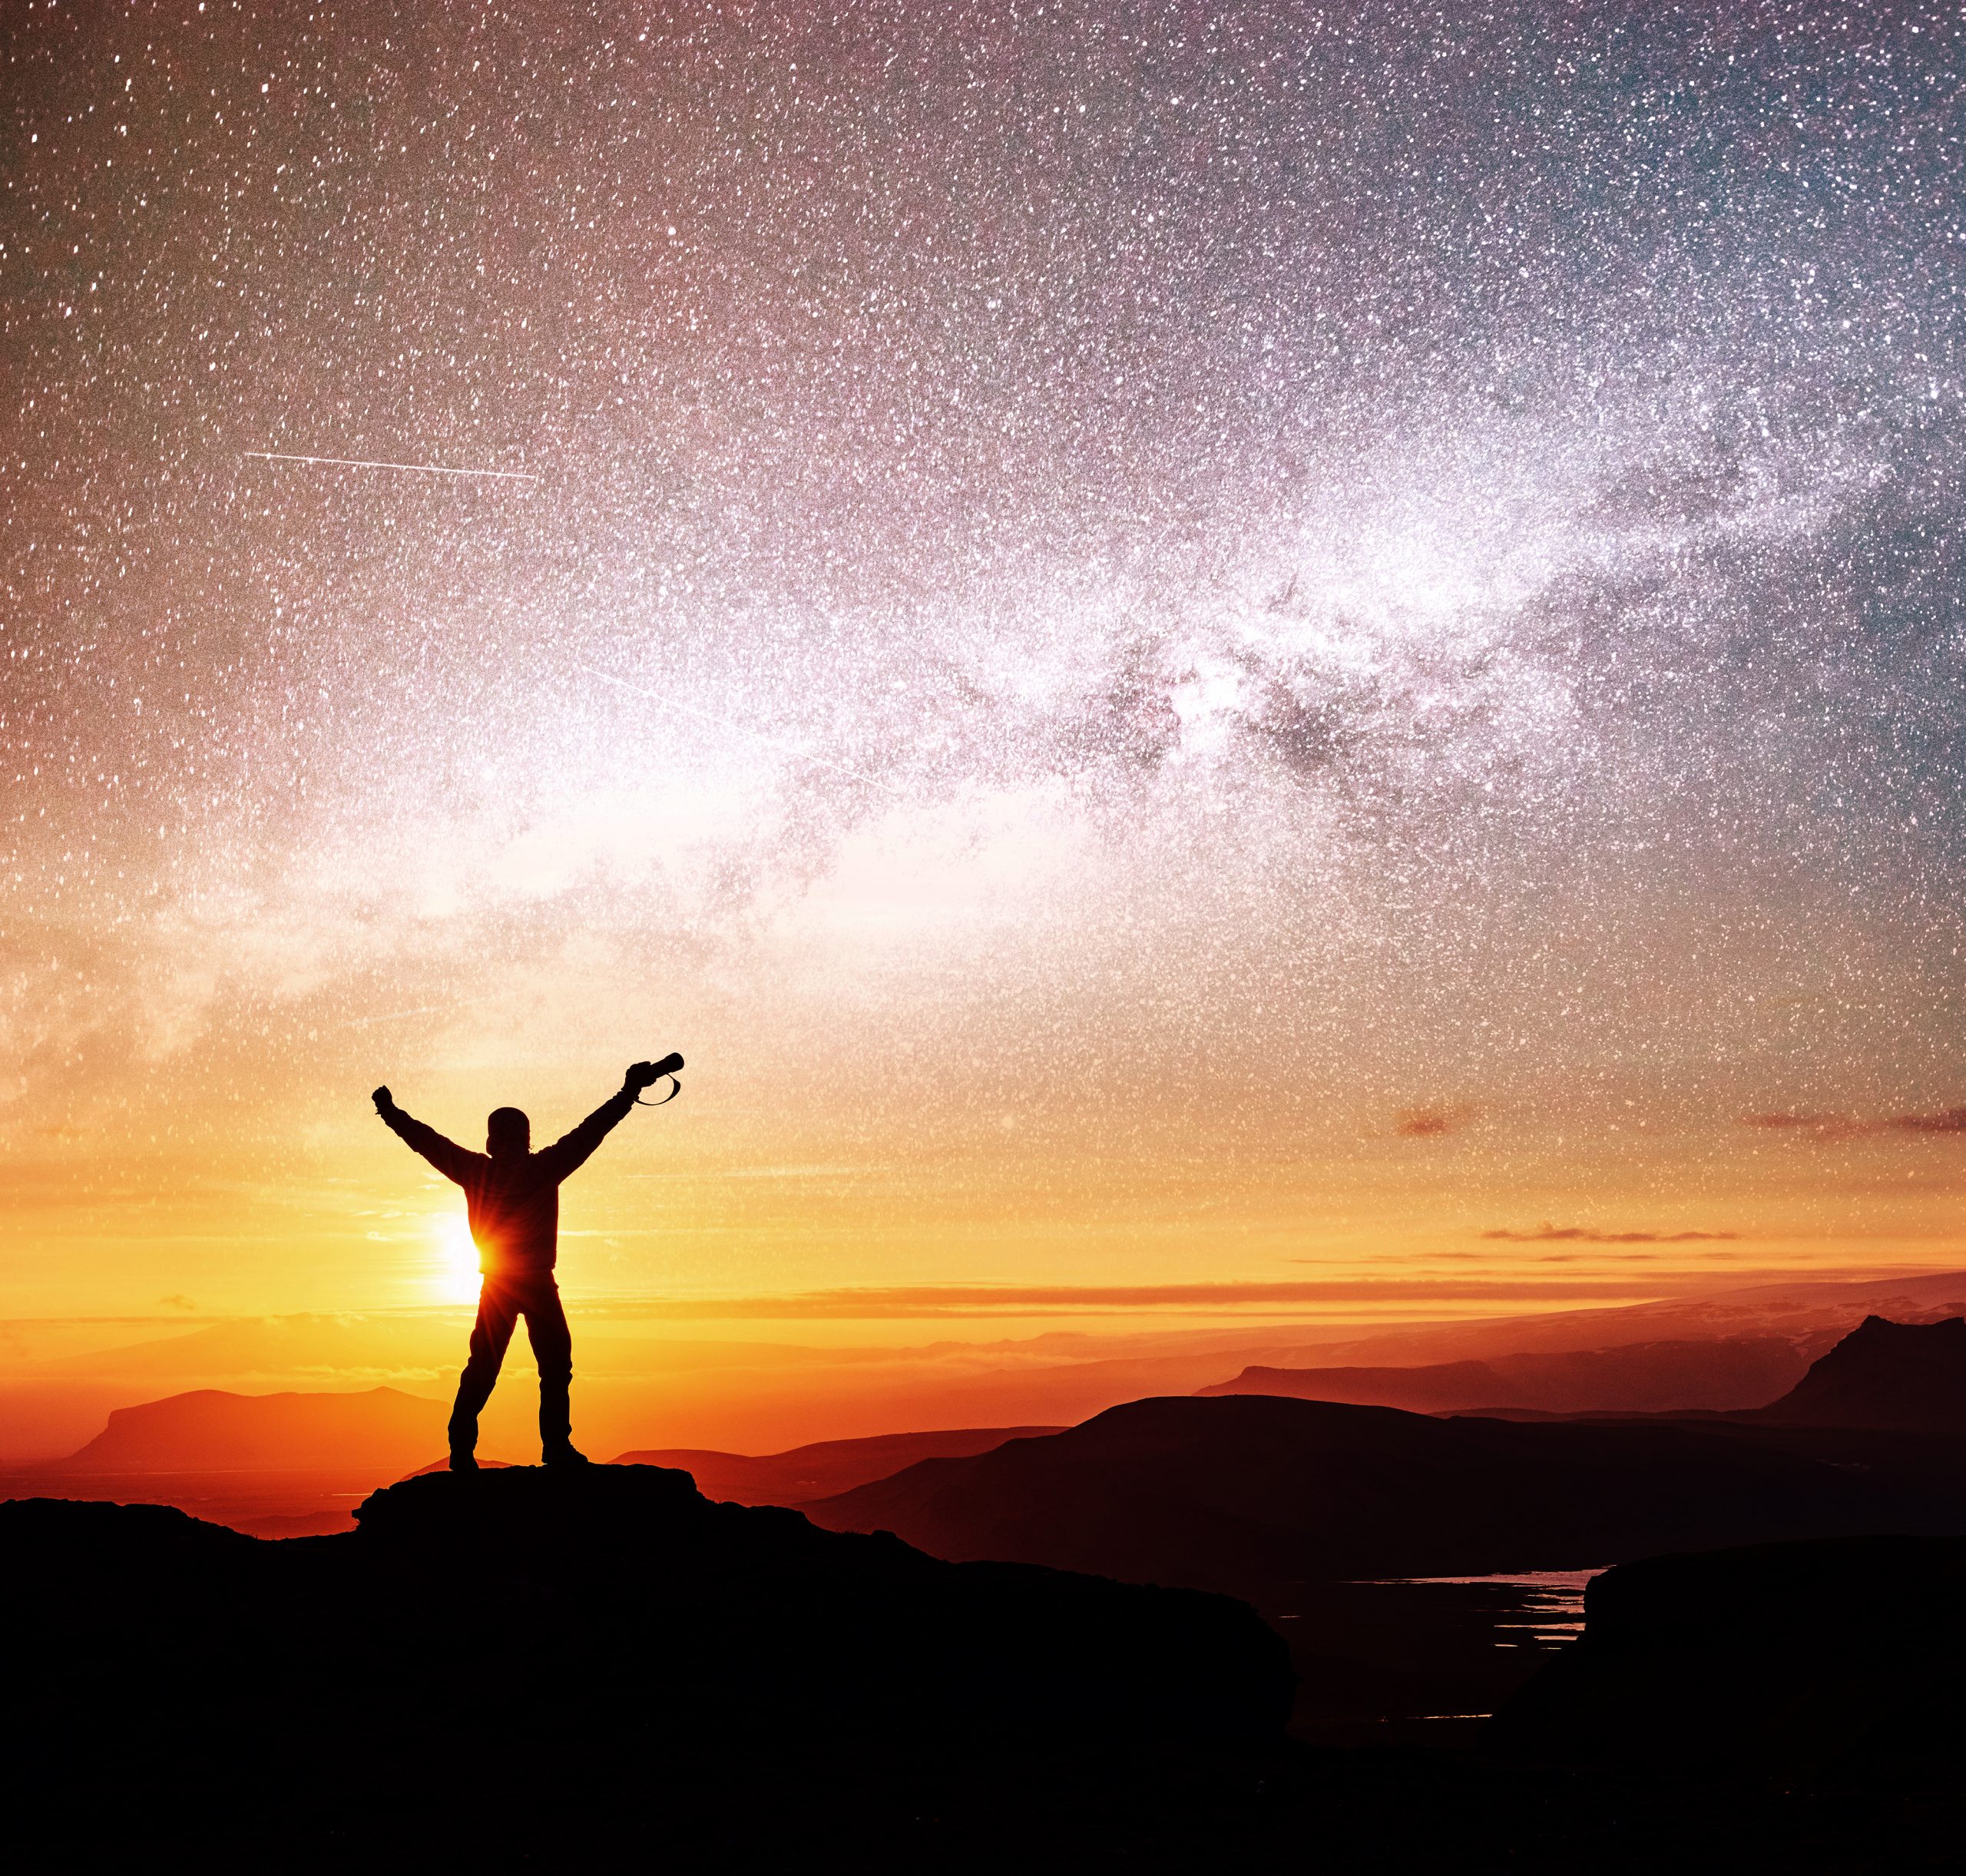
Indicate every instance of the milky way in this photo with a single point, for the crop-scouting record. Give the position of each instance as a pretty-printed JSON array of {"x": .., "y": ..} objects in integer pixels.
[{"x": 1101, "y": 580}]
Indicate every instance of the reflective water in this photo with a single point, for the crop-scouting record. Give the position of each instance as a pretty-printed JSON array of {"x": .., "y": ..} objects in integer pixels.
[
  {"x": 1549, "y": 1612},
  {"x": 1391, "y": 1652}
]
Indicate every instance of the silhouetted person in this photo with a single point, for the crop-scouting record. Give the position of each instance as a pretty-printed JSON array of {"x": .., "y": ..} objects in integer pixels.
[{"x": 512, "y": 1195}]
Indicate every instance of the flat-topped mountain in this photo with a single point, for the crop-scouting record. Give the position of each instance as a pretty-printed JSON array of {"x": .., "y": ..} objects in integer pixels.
[
  {"x": 1911, "y": 1376},
  {"x": 210, "y": 1431}
]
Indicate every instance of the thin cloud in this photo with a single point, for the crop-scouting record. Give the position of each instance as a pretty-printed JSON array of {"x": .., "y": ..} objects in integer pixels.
[
  {"x": 1432, "y": 1123},
  {"x": 1813, "y": 1126},
  {"x": 991, "y": 1299},
  {"x": 1546, "y": 1233},
  {"x": 1829, "y": 1126},
  {"x": 1947, "y": 1120}
]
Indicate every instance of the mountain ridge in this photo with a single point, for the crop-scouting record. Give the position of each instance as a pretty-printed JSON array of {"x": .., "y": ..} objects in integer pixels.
[
  {"x": 823, "y": 1467},
  {"x": 1904, "y": 1376},
  {"x": 1242, "y": 1493},
  {"x": 212, "y": 1429},
  {"x": 1637, "y": 1377}
]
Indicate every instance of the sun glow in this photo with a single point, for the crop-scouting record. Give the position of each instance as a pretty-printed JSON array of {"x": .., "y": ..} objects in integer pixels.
[{"x": 455, "y": 1276}]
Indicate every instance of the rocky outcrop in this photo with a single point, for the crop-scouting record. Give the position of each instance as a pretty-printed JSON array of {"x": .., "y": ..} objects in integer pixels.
[{"x": 623, "y": 1590}]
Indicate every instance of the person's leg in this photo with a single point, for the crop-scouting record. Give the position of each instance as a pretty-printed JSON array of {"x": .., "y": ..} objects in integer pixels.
[
  {"x": 498, "y": 1315},
  {"x": 553, "y": 1349}
]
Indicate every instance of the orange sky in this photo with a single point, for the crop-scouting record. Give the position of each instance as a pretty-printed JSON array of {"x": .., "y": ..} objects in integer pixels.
[{"x": 1179, "y": 734}]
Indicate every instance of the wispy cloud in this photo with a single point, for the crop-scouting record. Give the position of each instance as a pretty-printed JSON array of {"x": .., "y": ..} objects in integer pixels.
[
  {"x": 1432, "y": 1123},
  {"x": 1947, "y": 1120},
  {"x": 1582, "y": 1234},
  {"x": 1832, "y": 1126},
  {"x": 997, "y": 1299}
]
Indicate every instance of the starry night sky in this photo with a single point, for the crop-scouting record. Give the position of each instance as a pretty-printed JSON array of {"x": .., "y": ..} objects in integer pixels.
[{"x": 1177, "y": 643}]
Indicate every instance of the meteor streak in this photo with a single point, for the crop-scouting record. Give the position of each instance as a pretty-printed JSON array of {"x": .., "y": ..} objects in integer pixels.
[{"x": 412, "y": 469}]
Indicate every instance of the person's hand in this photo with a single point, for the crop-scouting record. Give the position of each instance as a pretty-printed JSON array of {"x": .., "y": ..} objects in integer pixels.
[
  {"x": 381, "y": 1098},
  {"x": 643, "y": 1075}
]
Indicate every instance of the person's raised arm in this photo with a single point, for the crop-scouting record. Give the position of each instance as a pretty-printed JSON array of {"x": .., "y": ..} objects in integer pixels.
[
  {"x": 453, "y": 1161},
  {"x": 570, "y": 1152}
]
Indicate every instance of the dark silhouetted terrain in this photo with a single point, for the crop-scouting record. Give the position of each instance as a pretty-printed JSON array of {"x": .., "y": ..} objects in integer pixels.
[
  {"x": 824, "y": 1468},
  {"x": 1247, "y": 1493},
  {"x": 482, "y": 1637},
  {"x": 601, "y": 1670},
  {"x": 1643, "y": 1378},
  {"x": 1835, "y": 1663},
  {"x": 738, "y": 1614},
  {"x": 1909, "y": 1376},
  {"x": 1308, "y": 1508}
]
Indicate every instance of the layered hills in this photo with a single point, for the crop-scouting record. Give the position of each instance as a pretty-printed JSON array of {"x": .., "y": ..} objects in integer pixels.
[
  {"x": 1651, "y": 1377},
  {"x": 1248, "y": 1493},
  {"x": 763, "y": 1398},
  {"x": 823, "y": 1468},
  {"x": 1908, "y": 1376}
]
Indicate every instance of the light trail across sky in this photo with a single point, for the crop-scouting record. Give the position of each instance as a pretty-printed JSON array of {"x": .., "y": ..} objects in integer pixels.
[{"x": 408, "y": 468}]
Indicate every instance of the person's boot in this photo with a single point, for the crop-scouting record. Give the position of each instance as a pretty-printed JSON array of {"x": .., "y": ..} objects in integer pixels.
[
  {"x": 556, "y": 1423},
  {"x": 462, "y": 1433}
]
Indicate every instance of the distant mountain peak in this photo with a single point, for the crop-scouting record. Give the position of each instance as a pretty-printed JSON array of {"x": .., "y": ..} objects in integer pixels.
[{"x": 1909, "y": 1377}]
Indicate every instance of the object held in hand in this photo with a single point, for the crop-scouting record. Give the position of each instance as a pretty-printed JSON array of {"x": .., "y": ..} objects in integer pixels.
[{"x": 645, "y": 1074}]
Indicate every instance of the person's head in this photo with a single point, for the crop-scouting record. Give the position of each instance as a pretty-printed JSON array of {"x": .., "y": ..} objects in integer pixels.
[{"x": 507, "y": 1133}]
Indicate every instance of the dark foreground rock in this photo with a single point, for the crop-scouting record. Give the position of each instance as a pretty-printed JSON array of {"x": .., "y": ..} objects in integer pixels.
[
  {"x": 601, "y": 1671},
  {"x": 622, "y": 1589},
  {"x": 755, "y": 1615},
  {"x": 487, "y": 1640},
  {"x": 1836, "y": 1664}
]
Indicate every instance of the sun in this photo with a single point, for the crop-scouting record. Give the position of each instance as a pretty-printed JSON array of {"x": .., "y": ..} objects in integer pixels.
[{"x": 454, "y": 1276}]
